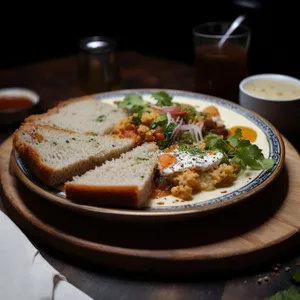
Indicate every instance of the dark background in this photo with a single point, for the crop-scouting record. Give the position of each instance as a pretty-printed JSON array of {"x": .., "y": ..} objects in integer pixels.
[{"x": 46, "y": 30}]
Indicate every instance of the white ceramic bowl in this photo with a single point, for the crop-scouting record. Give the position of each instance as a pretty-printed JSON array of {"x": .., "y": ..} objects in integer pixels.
[
  {"x": 17, "y": 115},
  {"x": 283, "y": 114}
]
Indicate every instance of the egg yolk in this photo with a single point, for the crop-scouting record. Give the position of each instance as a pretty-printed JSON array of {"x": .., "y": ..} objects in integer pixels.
[
  {"x": 166, "y": 160},
  {"x": 247, "y": 133}
]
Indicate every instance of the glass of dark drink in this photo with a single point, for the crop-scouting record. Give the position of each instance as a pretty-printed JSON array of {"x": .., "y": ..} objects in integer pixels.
[{"x": 219, "y": 70}]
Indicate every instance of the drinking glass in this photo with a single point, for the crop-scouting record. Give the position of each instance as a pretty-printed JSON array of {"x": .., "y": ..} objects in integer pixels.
[{"x": 219, "y": 70}]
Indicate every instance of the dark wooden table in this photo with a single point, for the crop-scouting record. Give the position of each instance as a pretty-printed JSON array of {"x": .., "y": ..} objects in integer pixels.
[{"x": 56, "y": 80}]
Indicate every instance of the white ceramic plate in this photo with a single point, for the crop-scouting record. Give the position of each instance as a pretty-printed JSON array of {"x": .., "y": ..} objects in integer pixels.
[{"x": 268, "y": 139}]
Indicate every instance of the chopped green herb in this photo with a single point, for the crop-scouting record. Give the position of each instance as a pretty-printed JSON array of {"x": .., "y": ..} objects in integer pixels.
[
  {"x": 191, "y": 112},
  {"x": 54, "y": 143},
  {"x": 240, "y": 150},
  {"x": 167, "y": 133},
  {"x": 296, "y": 277},
  {"x": 73, "y": 139},
  {"x": 291, "y": 294},
  {"x": 163, "y": 99},
  {"x": 133, "y": 103},
  {"x": 100, "y": 118},
  {"x": 234, "y": 139},
  {"x": 191, "y": 149},
  {"x": 142, "y": 177},
  {"x": 161, "y": 120},
  {"x": 67, "y": 142},
  {"x": 137, "y": 119}
]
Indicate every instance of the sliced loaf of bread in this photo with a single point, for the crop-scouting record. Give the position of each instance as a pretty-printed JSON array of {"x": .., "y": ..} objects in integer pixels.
[
  {"x": 86, "y": 114},
  {"x": 125, "y": 182},
  {"x": 56, "y": 155}
]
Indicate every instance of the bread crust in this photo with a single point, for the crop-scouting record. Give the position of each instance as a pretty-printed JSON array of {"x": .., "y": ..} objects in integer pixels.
[
  {"x": 111, "y": 196},
  {"x": 31, "y": 156}
]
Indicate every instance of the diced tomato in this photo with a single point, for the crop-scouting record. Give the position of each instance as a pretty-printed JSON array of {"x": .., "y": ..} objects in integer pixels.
[
  {"x": 159, "y": 136},
  {"x": 129, "y": 133}
]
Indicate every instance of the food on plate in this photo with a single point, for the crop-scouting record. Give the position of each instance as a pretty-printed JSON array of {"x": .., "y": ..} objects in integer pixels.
[
  {"x": 56, "y": 155},
  {"x": 196, "y": 151},
  {"x": 123, "y": 182},
  {"x": 125, "y": 153},
  {"x": 85, "y": 114}
]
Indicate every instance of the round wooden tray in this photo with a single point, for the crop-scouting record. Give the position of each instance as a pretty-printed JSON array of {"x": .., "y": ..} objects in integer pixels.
[{"x": 244, "y": 235}]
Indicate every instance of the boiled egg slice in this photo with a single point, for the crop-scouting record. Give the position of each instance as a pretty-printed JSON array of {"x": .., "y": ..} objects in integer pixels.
[{"x": 178, "y": 161}]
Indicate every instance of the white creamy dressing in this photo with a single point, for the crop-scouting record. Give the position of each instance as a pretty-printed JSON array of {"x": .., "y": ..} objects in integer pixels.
[{"x": 186, "y": 160}]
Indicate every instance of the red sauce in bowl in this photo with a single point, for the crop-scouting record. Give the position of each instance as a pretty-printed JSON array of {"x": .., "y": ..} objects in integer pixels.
[{"x": 14, "y": 102}]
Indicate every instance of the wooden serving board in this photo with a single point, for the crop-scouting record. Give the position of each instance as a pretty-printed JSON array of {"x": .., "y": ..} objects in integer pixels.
[{"x": 242, "y": 236}]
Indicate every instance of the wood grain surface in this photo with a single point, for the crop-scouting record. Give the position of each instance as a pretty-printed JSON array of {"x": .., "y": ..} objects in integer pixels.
[
  {"x": 56, "y": 80},
  {"x": 249, "y": 233}
]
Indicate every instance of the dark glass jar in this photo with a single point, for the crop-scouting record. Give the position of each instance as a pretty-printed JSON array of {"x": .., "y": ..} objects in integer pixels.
[{"x": 98, "y": 66}]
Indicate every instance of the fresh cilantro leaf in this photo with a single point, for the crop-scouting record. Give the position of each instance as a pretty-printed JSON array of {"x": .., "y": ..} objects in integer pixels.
[
  {"x": 216, "y": 142},
  {"x": 191, "y": 112},
  {"x": 163, "y": 144},
  {"x": 163, "y": 99},
  {"x": 136, "y": 119},
  {"x": 169, "y": 129},
  {"x": 167, "y": 133},
  {"x": 234, "y": 139},
  {"x": 291, "y": 294},
  {"x": 100, "y": 118},
  {"x": 266, "y": 163},
  {"x": 241, "y": 151},
  {"x": 238, "y": 161},
  {"x": 161, "y": 120},
  {"x": 296, "y": 277},
  {"x": 133, "y": 103}
]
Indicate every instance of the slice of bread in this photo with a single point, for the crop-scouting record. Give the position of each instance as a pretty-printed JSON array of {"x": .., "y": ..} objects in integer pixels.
[
  {"x": 56, "y": 155},
  {"x": 126, "y": 182},
  {"x": 86, "y": 114}
]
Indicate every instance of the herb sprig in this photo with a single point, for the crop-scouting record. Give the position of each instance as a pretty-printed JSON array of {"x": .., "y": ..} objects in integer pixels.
[{"x": 241, "y": 151}]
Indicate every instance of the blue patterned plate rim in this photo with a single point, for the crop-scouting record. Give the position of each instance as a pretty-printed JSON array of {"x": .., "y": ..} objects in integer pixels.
[{"x": 276, "y": 146}]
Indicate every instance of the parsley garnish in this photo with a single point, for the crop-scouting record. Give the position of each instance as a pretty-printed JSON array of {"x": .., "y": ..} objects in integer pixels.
[
  {"x": 133, "y": 103},
  {"x": 291, "y": 294},
  {"x": 241, "y": 151},
  {"x": 100, "y": 118},
  {"x": 163, "y": 99},
  {"x": 190, "y": 149},
  {"x": 167, "y": 133},
  {"x": 296, "y": 277},
  {"x": 161, "y": 120}
]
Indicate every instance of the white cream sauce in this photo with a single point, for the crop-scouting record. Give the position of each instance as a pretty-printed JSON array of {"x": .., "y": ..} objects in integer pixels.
[{"x": 186, "y": 160}]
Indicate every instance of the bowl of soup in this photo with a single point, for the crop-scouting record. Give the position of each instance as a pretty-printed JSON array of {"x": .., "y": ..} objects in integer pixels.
[
  {"x": 275, "y": 97},
  {"x": 16, "y": 104}
]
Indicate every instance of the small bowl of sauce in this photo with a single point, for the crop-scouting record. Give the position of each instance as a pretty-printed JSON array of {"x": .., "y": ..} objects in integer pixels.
[
  {"x": 16, "y": 104},
  {"x": 275, "y": 97}
]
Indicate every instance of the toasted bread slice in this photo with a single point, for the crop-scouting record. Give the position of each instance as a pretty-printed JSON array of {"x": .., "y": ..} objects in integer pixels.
[
  {"x": 86, "y": 114},
  {"x": 125, "y": 182},
  {"x": 56, "y": 155}
]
